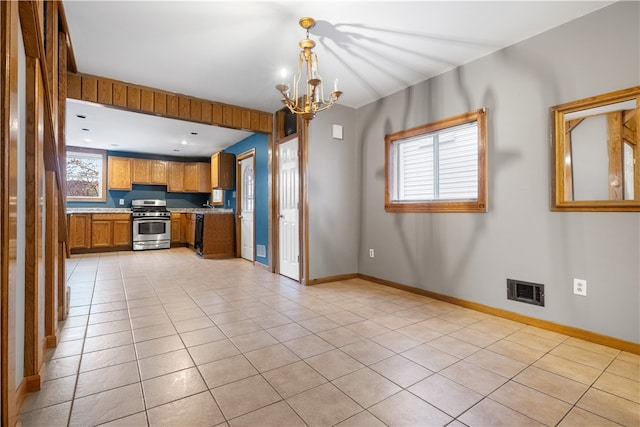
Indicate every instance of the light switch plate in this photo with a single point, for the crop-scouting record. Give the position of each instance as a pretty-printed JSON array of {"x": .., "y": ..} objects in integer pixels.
[{"x": 336, "y": 132}]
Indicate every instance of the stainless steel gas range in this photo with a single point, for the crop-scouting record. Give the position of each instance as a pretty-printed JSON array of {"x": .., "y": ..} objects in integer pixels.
[{"x": 151, "y": 224}]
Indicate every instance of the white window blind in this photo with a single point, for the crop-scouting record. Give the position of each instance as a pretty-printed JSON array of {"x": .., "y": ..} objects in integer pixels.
[{"x": 442, "y": 165}]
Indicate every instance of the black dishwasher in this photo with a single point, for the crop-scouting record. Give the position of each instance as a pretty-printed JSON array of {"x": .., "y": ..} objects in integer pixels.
[{"x": 197, "y": 240}]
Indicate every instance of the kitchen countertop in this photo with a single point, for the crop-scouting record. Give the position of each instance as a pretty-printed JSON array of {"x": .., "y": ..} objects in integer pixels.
[
  {"x": 128, "y": 210},
  {"x": 97, "y": 210},
  {"x": 201, "y": 210}
]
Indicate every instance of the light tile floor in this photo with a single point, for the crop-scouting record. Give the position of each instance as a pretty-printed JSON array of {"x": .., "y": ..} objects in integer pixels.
[{"x": 166, "y": 338}]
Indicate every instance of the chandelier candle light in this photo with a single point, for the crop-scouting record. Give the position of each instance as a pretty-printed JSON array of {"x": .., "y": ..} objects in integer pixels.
[{"x": 313, "y": 100}]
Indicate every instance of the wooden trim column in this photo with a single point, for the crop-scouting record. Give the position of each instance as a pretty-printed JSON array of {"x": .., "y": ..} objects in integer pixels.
[
  {"x": 34, "y": 277},
  {"x": 62, "y": 158},
  {"x": 8, "y": 192},
  {"x": 51, "y": 260}
]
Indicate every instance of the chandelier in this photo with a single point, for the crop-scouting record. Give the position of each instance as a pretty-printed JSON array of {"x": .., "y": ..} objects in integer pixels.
[{"x": 310, "y": 100}]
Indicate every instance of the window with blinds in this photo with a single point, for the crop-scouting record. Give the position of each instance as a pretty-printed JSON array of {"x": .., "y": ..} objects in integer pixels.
[{"x": 439, "y": 167}]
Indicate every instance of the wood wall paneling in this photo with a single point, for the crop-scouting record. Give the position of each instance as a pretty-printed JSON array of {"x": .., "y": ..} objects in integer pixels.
[
  {"x": 160, "y": 103},
  {"x": 184, "y": 107},
  {"x": 105, "y": 92},
  {"x": 237, "y": 117},
  {"x": 205, "y": 112},
  {"x": 266, "y": 123},
  {"x": 74, "y": 86},
  {"x": 246, "y": 119},
  {"x": 119, "y": 95},
  {"x": 133, "y": 97},
  {"x": 196, "y": 110},
  {"x": 146, "y": 100},
  {"x": 255, "y": 120},
  {"x": 90, "y": 89},
  {"x": 173, "y": 110},
  {"x": 227, "y": 115},
  {"x": 155, "y": 101},
  {"x": 217, "y": 114}
]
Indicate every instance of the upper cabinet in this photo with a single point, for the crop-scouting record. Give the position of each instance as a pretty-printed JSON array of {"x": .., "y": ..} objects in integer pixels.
[
  {"x": 175, "y": 181},
  {"x": 223, "y": 170},
  {"x": 189, "y": 177},
  {"x": 119, "y": 173},
  {"x": 179, "y": 177},
  {"x": 147, "y": 171}
]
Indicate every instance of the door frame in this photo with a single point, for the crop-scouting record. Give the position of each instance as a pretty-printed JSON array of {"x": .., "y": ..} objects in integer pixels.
[
  {"x": 239, "y": 158},
  {"x": 303, "y": 211}
]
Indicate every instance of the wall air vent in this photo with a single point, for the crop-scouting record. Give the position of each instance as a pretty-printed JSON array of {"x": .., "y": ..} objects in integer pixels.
[{"x": 531, "y": 293}]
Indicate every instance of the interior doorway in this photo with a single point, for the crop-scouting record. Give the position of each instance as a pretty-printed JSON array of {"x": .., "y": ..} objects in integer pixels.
[
  {"x": 247, "y": 205},
  {"x": 289, "y": 209}
]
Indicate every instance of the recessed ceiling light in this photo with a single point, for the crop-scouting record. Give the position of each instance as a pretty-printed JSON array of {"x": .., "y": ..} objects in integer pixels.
[
  {"x": 176, "y": 150},
  {"x": 183, "y": 142},
  {"x": 115, "y": 145},
  {"x": 81, "y": 116},
  {"x": 194, "y": 133},
  {"x": 85, "y": 129},
  {"x": 87, "y": 140}
]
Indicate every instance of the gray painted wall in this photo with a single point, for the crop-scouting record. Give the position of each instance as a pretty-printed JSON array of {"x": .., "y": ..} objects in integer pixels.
[
  {"x": 333, "y": 195},
  {"x": 470, "y": 256}
]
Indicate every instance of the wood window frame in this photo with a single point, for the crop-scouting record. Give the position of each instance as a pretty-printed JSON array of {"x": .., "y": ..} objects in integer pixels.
[
  {"x": 478, "y": 205},
  {"x": 103, "y": 194}
]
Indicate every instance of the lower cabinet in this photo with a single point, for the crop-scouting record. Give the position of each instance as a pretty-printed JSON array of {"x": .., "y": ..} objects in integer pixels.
[
  {"x": 176, "y": 228},
  {"x": 99, "y": 232},
  {"x": 191, "y": 232},
  {"x": 79, "y": 228},
  {"x": 122, "y": 233},
  {"x": 218, "y": 236}
]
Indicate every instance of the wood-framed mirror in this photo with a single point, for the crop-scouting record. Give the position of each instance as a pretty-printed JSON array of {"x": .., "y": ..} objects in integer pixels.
[{"x": 595, "y": 153}]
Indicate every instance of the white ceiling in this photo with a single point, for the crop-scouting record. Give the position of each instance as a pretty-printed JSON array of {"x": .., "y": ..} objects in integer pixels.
[{"x": 233, "y": 51}]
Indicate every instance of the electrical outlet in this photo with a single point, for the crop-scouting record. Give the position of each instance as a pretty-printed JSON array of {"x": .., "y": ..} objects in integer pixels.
[
  {"x": 371, "y": 253},
  {"x": 121, "y": 202},
  {"x": 580, "y": 287}
]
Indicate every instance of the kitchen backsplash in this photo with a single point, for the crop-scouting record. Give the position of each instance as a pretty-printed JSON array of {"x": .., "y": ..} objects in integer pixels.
[{"x": 174, "y": 200}]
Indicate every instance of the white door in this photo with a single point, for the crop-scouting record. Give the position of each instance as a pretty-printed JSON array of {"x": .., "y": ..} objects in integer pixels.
[
  {"x": 289, "y": 191},
  {"x": 247, "y": 211}
]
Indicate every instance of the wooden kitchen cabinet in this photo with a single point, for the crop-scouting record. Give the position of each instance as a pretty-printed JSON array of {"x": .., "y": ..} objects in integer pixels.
[
  {"x": 79, "y": 226},
  {"x": 223, "y": 170},
  {"x": 101, "y": 234},
  {"x": 189, "y": 177},
  {"x": 176, "y": 228},
  {"x": 119, "y": 173},
  {"x": 175, "y": 176},
  {"x": 121, "y": 233},
  {"x": 146, "y": 171},
  {"x": 197, "y": 177},
  {"x": 110, "y": 230},
  {"x": 218, "y": 236},
  {"x": 191, "y": 232},
  {"x": 184, "y": 227}
]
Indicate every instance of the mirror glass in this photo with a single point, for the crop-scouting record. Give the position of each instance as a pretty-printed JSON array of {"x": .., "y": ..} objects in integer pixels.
[{"x": 596, "y": 153}]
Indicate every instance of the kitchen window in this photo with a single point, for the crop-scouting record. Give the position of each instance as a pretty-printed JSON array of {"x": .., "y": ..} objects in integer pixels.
[
  {"x": 438, "y": 167},
  {"x": 86, "y": 175}
]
